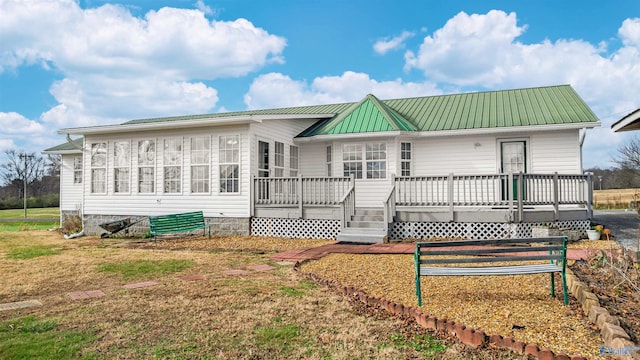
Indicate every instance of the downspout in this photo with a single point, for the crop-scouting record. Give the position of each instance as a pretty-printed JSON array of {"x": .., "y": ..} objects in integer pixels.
[{"x": 81, "y": 214}]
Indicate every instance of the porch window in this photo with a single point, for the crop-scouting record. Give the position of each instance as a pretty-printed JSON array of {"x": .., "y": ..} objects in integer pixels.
[
  {"x": 229, "y": 148},
  {"x": 405, "y": 159},
  {"x": 99, "y": 168},
  {"x": 293, "y": 161},
  {"x": 376, "y": 161},
  {"x": 374, "y": 156},
  {"x": 329, "y": 160},
  {"x": 352, "y": 160},
  {"x": 146, "y": 166},
  {"x": 172, "y": 165},
  {"x": 77, "y": 169},
  {"x": 278, "y": 160},
  {"x": 121, "y": 166},
  {"x": 200, "y": 155}
]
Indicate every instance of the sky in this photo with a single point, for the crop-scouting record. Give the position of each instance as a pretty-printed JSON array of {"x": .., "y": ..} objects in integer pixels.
[{"x": 66, "y": 63}]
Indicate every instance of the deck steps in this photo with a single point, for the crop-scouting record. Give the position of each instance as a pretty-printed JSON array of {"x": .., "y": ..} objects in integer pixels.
[{"x": 366, "y": 226}]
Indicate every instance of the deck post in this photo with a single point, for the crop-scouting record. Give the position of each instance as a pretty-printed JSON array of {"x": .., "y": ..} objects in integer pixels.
[
  {"x": 450, "y": 197},
  {"x": 252, "y": 196},
  {"x": 590, "y": 194},
  {"x": 300, "y": 196},
  {"x": 556, "y": 197},
  {"x": 510, "y": 194},
  {"x": 520, "y": 194}
]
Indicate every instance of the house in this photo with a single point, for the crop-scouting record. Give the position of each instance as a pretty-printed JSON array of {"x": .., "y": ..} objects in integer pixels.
[
  {"x": 629, "y": 122},
  {"x": 483, "y": 164}
]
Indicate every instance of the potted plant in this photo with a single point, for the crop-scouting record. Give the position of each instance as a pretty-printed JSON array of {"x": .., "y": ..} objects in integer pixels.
[{"x": 595, "y": 232}]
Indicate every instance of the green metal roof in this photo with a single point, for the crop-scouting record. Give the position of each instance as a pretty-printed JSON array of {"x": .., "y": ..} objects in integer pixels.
[
  {"x": 491, "y": 109},
  {"x": 73, "y": 146}
]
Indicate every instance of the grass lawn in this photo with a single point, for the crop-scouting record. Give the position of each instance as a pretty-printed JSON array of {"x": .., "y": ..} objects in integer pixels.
[
  {"x": 37, "y": 213},
  {"x": 257, "y": 315}
]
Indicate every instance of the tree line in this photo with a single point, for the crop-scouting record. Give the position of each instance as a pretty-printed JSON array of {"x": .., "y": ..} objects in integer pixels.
[{"x": 42, "y": 175}]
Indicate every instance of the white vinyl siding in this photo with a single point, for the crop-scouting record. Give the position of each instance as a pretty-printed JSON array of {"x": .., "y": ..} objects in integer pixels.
[{"x": 70, "y": 190}]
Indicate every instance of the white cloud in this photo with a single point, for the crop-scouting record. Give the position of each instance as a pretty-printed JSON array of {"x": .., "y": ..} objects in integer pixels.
[
  {"x": 278, "y": 90},
  {"x": 16, "y": 130},
  {"x": 204, "y": 8},
  {"x": 385, "y": 45},
  {"x": 116, "y": 65},
  {"x": 482, "y": 51}
]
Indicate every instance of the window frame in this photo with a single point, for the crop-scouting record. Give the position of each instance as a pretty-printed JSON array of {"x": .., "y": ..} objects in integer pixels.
[
  {"x": 404, "y": 160},
  {"x": 229, "y": 158},
  {"x": 278, "y": 159},
  {"x": 97, "y": 168},
  {"x": 148, "y": 164},
  {"x": 329, "y": 152},
  {"x": 294, "y": 160},
  {"x": 77, "y": 169},
  {"x": 172, "y": 166},
  {"x": 360, "y": 159},
  {"x": 203, "y": 167},
  {"x": 117, "y": 167}
]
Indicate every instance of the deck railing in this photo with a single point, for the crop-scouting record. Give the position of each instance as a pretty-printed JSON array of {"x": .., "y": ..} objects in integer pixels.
[
  {"x": 348, "y": 205},
  {"x": 514, "y": 191},
  {"x": 511, "y": 191}
]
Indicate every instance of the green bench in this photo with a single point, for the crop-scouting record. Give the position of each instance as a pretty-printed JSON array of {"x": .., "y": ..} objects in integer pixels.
[
  {"x": 436, "y": 258},
  {"x": 174, "y": 223}
]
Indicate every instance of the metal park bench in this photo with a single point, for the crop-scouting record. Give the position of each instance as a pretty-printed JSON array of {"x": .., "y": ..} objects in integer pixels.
[
  {"x": 436, "y": 258},
  {"x": 174, "y": 223}
]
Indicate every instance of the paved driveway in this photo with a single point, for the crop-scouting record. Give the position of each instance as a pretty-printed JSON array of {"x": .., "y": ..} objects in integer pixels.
[{"x": 623, "y": 225}]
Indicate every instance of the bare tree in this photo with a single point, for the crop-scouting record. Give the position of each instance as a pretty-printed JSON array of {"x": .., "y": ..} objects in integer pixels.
[
  {"x": 629, "y": 157},
  {"x": 21, "y": 168}
]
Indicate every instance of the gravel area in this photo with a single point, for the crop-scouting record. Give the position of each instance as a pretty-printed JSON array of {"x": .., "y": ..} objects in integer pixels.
[{"x": 516, "y": 306}]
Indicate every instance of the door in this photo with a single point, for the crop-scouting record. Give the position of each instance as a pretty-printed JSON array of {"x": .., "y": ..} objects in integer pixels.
[
  {"x": 263, "y": 170},
  {"x": 513, "y": 159}
]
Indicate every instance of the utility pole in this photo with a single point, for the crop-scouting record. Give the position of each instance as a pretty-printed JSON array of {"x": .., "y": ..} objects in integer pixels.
[{"x": 25, "y": 158}]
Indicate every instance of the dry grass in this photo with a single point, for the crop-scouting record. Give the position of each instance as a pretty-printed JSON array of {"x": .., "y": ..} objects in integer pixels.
[
  {"x": 269, "y": 314},
  {"x": 615, "y": 198}
]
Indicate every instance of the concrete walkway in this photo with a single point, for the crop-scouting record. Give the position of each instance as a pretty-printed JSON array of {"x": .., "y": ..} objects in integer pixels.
[{"x": 319, "y": 252}]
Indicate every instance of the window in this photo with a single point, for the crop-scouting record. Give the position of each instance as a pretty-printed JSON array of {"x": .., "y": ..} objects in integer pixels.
[
  {"x": 200, "y": 155},
  {"x": 329, "y": 158},
  {"x": 405, "y": 159},
  {"x": 99, "y": 168},
  {"x": 121, "y": 166},
  {"x": 172, "y": 165},
  {"x": 229, "y": 148},
  {"x": 278, "y": 160},
  {"x": 77, "y": 169},
  {"x": 263, "y": 159},
  {"x": 293, "y": 161},
  {"x": 146, "y": 166},
  {"x": 352, "y": 160},
  {"x": 375, "y": 160}
]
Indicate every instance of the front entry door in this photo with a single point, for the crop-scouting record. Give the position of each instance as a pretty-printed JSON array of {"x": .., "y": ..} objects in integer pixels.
[{"x": 513, "y": 159}]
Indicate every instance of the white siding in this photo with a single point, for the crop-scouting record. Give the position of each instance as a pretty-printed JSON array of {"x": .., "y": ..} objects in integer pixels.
[
  {"x": 555, "y": 151},
  {"x": 313, "y": 159},
  {"x": 70, "y": 193},
  {"x": 213, "y": 204},
  {"x": 547, "y": 152}
]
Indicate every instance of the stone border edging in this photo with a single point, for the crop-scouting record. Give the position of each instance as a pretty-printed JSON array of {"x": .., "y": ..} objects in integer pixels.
[
  {"x": 466, "y": 335},
  {"x": 613, "y": 335}
]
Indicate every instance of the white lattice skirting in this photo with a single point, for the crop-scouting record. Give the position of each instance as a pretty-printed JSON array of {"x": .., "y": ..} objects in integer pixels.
[
  {"x": 329, "y": 229},
  {"x": 425, "y": 230},
  {"x": 295, "y": 228}
]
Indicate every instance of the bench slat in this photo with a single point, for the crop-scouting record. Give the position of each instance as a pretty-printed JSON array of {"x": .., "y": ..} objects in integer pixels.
[
  {"x": 554, "y": 239},
  {"x": 172, "y": 223},
  {"x": 490, "y": 259},
  {"x": 489, "y": 270},
  {"x": 497, "y": 250}
]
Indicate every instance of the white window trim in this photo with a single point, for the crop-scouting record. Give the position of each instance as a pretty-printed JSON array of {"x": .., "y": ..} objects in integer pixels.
[
  {"x": 116, "y": 166},
  {"x": 276, "y": 155},
  {"x": 104, "y": 167},
  {"x": 77, "y": 169},
  {"x": 295, "y": 169},
  {"x": 154, "y": 167},
  {"x": 410, "y": 161},
  {"x": 238, "y": 163},
  {"x": 527, "y": 151},
  {"x": 179, "y": 165},
  {"x": 208, "y": 164},
  {"x": 363, "y": 160}
]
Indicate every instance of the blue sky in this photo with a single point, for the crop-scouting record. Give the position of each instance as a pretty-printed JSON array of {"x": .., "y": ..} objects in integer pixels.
[{"x": 66, "y": 63}]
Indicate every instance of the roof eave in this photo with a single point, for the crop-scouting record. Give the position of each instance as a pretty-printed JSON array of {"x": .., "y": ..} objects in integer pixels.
[
  {"x": 349, "y": 136},
  {"x": 62, "y": 152},
  {"x": 628, "y": 123},
  {"x": 510, "y": 129},
  {"x": 184, "y": 124}
]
